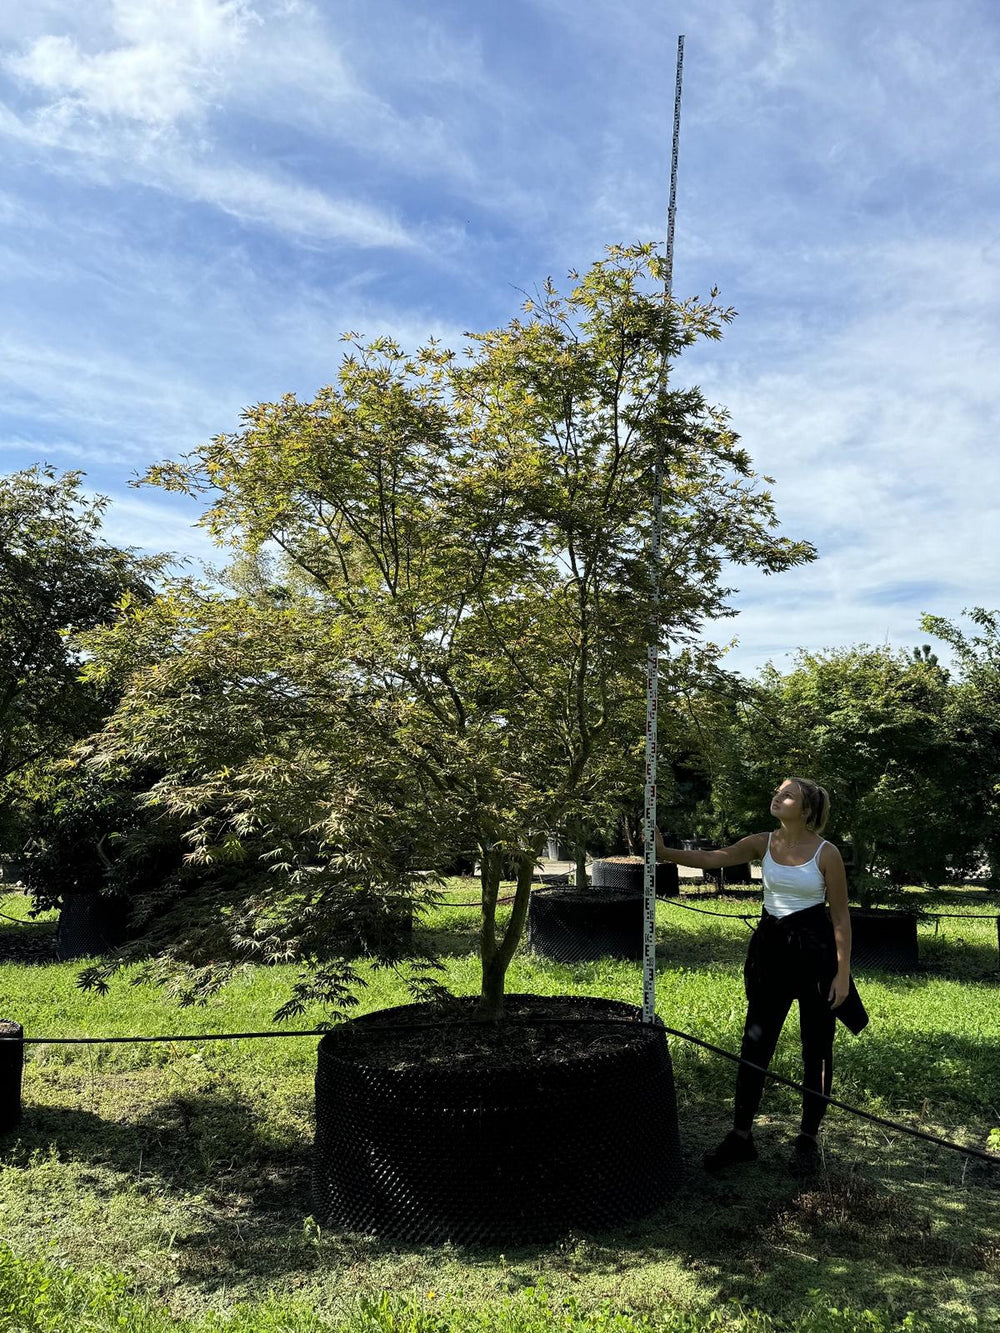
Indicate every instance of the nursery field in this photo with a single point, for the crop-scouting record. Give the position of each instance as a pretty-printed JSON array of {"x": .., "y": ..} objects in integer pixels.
[{"x": 167, "y": 1185}]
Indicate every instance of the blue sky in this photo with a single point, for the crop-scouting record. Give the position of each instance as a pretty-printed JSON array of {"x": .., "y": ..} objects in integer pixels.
[{"x": 199, "y": 196}]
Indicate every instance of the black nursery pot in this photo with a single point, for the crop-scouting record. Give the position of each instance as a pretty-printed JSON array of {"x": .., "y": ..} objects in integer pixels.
[
  {"x": 740, "y": 875},
  {"x": 91, "y": 924},
  {"x": 627, "y": 874},
  {"x": 582, "y": 925},
  {"x": 11, "y": 1069},
  {"x": 494, "y": 1134},
  {"x": 883, "y": 941}
]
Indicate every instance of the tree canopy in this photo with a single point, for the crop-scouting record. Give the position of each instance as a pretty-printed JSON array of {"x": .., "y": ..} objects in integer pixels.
[
  {"x": 57, "y": 578},
  {"x": 453, "y": 599}
]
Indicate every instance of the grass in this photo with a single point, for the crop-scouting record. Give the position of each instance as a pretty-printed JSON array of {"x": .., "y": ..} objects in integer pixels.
[{"x": 180, "y": 1171}]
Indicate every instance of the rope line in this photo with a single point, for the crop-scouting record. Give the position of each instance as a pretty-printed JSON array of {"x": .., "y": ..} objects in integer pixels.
[
  {"x": 941, "y": 916},
  {"x": 704, "y": 911},
  {"x": 203, "y": 1036},
  {"x": 991, "y": 1158}
]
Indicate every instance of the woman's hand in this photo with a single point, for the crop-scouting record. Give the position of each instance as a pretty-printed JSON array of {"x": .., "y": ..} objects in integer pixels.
[{"x": 838, "y": 990}]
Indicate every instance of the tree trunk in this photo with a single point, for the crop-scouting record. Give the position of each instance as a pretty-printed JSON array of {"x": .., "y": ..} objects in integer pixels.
[
  {"x": 577, "y": 834},
  {"x": 581, "y": 866},
  {"x": 489, "y": 879},
  {"x": 497, "y": 960}
]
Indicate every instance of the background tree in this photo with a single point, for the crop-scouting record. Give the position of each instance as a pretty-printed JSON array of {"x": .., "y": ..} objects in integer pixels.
[
  {"x": 471, "y": 537},
  {"x": 975, "y": 715},
  {"x": 56, "y": 578},
  {"x": 876, "y": 728}
]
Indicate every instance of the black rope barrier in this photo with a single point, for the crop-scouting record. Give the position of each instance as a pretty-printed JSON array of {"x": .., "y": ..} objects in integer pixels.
[
  {"x": 704, "y": 911},
  {"x": 991, "y": 1158},
  {"x": 195, "y": 1036},
  {"x": 921, "y": 916},
  {"x": 959, "y": 916}
]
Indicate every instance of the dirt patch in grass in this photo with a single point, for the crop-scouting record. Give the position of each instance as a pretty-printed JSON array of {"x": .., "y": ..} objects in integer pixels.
[{"x": 854, "y": 1218}]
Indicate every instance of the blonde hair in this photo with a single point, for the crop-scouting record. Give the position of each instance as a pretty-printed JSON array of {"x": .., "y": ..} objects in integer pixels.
[{"x": 815, "y": 803}]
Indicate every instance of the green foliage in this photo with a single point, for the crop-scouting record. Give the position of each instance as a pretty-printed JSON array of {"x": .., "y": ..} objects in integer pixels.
[
  {"x": 975, "y": 712},
  {"x": 282, "y": 785},
  {"x": 882, "y": 732},
  {"x": 77, "y": 820},
  {"x": 56, "y": 578}
]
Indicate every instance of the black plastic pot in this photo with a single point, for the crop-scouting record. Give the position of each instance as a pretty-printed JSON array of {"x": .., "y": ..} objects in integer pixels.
[
  {"x": 11, "y": 1069},
  {"x": 738, "y": 874},
  {"x": 883, "y": 941},
  {"x": 628, "y": 875},
  {"x": 499, "y": 1146},
  {"x": 90, "y": 925},
  {"x": 574, "y": 926}
]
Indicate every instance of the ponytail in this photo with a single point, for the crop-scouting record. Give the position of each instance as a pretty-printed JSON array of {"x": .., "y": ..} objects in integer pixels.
[{"x": 815, "y": 803}]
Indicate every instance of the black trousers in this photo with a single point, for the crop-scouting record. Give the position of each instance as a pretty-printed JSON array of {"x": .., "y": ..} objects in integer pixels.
[{"x": 790, "y": 958}]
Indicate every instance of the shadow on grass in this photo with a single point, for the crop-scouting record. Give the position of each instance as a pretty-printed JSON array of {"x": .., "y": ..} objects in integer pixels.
[
  {"x": 950, "y": 952},
  {"x": 248, "y": 1189},
  {"x": 27, "y": 943}
]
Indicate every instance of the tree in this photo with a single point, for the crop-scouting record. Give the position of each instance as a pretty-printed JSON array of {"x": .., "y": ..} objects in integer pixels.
[
  {"x": 56, "y": 578},
  {"x": 874, "y": 727},
  {"x": 470, "y": 535},
  {"x": 975, "y": 713}
]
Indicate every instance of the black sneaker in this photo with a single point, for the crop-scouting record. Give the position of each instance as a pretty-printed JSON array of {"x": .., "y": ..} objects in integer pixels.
[
  {"x": 805, "y": 1159},
  {"x": 732, "y": 1150}
]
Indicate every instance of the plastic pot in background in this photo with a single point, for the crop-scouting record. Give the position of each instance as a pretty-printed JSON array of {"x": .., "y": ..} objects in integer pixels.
[
  {"x": 740, "y": 875},
  {"x": 556, "y": 850},
  {"x": 91, "y": 924},
  {"x": 570, "y": 926},
  {"x": 883, "y": 941},
  {"x": 627, "y": 874}
]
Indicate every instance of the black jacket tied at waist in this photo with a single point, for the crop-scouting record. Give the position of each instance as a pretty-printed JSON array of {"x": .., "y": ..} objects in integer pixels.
[{"x": 805, "y": 943}]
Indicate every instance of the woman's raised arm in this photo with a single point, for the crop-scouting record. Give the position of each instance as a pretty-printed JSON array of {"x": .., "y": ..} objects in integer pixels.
[{"x": 738, "y": 854}]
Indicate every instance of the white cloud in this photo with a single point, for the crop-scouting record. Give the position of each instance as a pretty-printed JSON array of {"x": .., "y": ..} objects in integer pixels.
[
  {"x": 165, "y": 65},
  {"x": 155, "y": 526},
  {"x": 123, "y": 113},
  {"x": 875, "y": 433}
]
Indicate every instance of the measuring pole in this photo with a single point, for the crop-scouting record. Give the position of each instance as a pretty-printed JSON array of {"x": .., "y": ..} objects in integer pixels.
[{"x": 653, "y": 651}]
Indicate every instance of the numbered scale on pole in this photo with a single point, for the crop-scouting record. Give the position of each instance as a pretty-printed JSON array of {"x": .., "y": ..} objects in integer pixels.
[{"x": 653, "y": 672}]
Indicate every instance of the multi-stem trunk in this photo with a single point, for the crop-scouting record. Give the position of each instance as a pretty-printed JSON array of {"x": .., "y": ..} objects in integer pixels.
[{"x": 496, "y": 953}]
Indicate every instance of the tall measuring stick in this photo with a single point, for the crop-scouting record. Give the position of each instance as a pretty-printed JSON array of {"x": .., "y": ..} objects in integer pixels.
[{"x": 653, "y": 651}]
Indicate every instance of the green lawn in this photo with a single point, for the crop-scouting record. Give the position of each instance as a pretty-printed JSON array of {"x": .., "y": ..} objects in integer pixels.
[{"x": 185, "y": 1167}]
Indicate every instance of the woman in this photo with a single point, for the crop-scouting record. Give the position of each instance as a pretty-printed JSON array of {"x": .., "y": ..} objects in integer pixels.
[{"x": 797, "y": 952}]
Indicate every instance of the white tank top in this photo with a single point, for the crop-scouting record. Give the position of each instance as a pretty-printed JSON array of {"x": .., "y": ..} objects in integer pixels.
[{"x": 790, "y": 889}]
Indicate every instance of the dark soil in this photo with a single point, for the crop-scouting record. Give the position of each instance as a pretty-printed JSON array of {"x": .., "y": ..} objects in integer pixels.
[{"x": 535, "y": 1031}]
